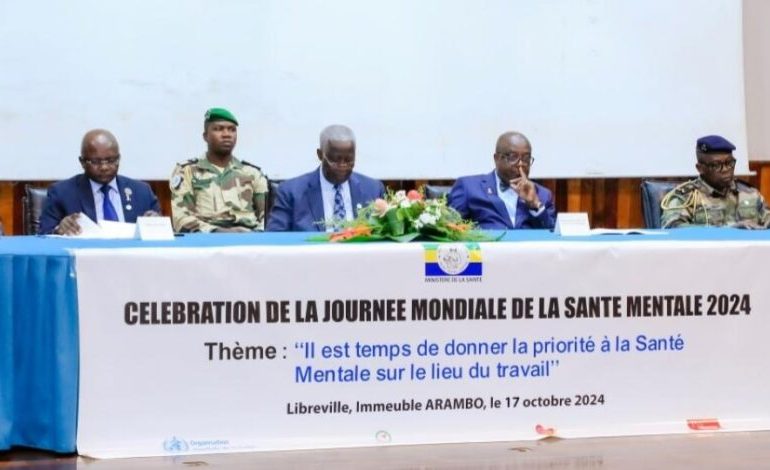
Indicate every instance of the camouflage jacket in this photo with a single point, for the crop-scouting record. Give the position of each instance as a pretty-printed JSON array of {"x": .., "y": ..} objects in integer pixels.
[
  {"x": 696, "y": 203},
  {"x": 205, "y": 197}
]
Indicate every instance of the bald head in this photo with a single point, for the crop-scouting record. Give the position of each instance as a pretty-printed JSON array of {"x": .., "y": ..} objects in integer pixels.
[
  {"x": 98, "y": 138},
  {"x": 509, "y": 139},
  {"x": 513, "y": 156},
  {"x": 100, "y": 155}
]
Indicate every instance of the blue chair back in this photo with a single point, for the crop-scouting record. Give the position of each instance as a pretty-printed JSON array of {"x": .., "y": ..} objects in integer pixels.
[
  {"x": 434, "y": 191},
  {"x": 653, "y": 192}
]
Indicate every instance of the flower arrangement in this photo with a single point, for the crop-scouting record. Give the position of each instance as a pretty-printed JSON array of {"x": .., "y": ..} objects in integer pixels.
[{"x": 404, "y": 216}]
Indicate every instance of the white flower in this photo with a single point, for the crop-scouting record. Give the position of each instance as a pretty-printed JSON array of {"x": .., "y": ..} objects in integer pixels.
[
  {"x": 400, "y": 195},
  {"x": 405, "y": 203},
  {"x": 427, "y": 219}
]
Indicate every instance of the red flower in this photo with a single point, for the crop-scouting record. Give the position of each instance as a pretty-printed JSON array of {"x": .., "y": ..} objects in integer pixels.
[{"x": 414, "y": 195}]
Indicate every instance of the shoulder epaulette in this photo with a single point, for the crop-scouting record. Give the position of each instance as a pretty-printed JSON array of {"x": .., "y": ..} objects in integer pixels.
[
  {"x": 252, "y": 165},
  {"x": 685, "y": 187},
  {"x": 745, "y": 183},
  {"x": 684, "y": 190},
  {"x": 189, "y": 162}
]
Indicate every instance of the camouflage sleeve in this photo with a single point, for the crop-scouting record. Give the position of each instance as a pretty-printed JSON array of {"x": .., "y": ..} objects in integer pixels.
[
  {"x": 260, "y": 198},
  {"x": 675, "y": 211},
  {"x": 184, "y": 214}
]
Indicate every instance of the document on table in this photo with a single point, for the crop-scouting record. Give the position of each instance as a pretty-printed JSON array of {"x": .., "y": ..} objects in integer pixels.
[
  {"x": 104, "y": 229},
  {"x": 626, "y": 231}
]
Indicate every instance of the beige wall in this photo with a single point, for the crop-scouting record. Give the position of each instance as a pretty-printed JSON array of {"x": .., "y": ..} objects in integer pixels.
[{"x": 756, "y": 54}]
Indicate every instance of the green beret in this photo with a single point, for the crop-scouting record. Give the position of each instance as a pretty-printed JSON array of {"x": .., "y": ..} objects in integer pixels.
[{"x": 220, "y": 114}]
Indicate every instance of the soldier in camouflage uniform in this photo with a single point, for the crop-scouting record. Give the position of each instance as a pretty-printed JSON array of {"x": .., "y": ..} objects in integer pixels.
[
  {"x": 217, "y": 192},
  {"x": 716, "y": 198}
]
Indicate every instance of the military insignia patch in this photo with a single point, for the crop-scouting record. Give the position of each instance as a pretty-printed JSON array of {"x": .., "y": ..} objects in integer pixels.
[{"x": 176, "y": 181}]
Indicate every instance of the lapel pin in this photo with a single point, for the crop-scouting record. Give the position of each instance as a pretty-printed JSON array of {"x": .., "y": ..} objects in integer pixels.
[{"x": 128, "y": 192}]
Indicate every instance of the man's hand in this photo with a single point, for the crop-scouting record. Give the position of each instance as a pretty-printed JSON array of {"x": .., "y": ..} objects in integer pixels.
[
  {"x": 749, "y": 225},
  {"x": 526, "y": 191},
  {"x": 232, "y": 230},
  {"x": 69, "y": 225}
]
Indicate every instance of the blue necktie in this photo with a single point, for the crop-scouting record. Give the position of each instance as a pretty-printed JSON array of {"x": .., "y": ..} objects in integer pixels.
[
  {"x": 339, "y": 203},
  {"x": 108, "y": 210}
]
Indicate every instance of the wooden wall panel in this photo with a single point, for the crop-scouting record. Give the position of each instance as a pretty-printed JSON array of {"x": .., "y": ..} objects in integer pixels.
[
  {"x": 609, "y": 202},
  {"x": 163, "y": 191},
  {"x": 762, "y": 178},
  {"x": 628, "y": 204},
  {"x": 574, "y": 195},
  {"x": 6, "y": 206}
]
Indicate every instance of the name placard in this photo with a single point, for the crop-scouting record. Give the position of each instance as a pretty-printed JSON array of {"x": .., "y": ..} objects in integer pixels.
[
  {"x": 154, "y": 228},
  {"x": 572, "y": 224}
]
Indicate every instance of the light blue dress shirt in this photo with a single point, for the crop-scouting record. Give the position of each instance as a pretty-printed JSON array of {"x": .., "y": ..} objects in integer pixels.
[
  {"x": 327, "y": 193},
  {"x": 114, "y": 199},
  {"x": 510, "y": 198}
]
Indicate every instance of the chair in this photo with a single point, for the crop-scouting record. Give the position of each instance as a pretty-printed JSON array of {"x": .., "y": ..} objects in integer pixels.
[
  {"x": 32, "y": 207},
  {"x": 1, "y": 229},
  {"x": 436, "y": 191},
  {"x": 272, "y": 190},
  {"x": 653, "y": 192}
]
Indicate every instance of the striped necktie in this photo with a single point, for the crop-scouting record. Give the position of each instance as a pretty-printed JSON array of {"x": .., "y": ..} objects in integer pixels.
[{"x": 339, "y": 203}]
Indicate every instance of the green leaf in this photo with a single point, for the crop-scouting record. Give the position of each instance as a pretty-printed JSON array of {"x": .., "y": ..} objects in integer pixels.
[
  {"x": 404, "y": 238},
  {"x": 364, "y": 238},
  {"x": 395, "y": 222}
]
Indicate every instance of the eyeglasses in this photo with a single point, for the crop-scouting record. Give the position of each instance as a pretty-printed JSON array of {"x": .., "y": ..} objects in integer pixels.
[
  {"x": 340, "y": 163},
  {"x": 97, "y": 162},
  {"x": 719, "y": 166},
  {"x": 513, "y": 158}
]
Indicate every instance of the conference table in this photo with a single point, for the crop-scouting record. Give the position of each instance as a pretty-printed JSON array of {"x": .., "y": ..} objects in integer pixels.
[{"x": 39, "y": 305}]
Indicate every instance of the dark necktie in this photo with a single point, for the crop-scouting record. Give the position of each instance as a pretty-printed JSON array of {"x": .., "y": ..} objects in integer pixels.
[
  {"x": 108, "y": 209},
  {"x": 504, "y": 185},
  {"x": 339, "y": 203}
]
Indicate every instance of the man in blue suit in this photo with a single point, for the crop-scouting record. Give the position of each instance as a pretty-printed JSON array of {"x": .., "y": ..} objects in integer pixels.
[
  {"x": 99, "y": 192},
  {"x": 505, "y": 198},
  {"x": 325, "y": 197}
]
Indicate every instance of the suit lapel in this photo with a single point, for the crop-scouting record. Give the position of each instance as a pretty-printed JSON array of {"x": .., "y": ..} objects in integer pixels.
[
  {"x": 522, "y": 213},
  {"x": 86, "y": 196},
  {"x": 128, "y": 208},
  {"x": 489, "y": 188},
  {"x": 315, "y": 200},
  {"x": 355, "y": 193}
]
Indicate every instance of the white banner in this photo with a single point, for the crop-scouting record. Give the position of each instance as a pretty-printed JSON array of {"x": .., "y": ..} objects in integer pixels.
[{"x": 287, "y": 347}]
